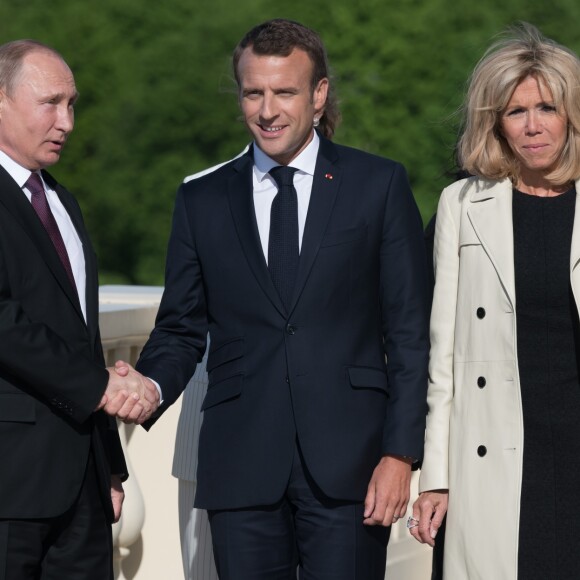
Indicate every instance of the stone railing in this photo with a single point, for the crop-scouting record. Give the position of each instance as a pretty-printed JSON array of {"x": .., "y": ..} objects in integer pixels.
[{"x": 147, "y": 545}]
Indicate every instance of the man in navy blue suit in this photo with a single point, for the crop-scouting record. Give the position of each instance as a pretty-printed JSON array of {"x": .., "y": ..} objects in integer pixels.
[{"x": 304, "y": 261}]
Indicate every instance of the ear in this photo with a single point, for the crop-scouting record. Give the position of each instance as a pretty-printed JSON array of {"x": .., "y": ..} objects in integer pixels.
[{"x": 320, "y": 95}]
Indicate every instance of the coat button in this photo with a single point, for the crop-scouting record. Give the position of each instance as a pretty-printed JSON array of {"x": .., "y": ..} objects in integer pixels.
[
  {"x": 482, "y": 450},
  {"x": 481, "y": 382},
  {"x": 480, "y": 312},
  {"x": 291, "y": 329}
]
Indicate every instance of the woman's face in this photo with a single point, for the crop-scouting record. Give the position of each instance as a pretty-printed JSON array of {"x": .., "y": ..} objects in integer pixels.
[{"x": 533, "y": 129}]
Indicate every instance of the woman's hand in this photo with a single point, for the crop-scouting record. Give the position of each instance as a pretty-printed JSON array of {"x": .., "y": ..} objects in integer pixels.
[{"x": 428, "y": 512}]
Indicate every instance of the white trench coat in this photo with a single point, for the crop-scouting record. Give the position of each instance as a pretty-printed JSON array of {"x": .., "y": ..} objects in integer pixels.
[{"x": 474, "y": 439}]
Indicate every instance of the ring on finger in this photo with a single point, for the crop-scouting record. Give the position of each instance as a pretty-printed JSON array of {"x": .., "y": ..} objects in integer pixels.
[{"x": 412, "y": 522}]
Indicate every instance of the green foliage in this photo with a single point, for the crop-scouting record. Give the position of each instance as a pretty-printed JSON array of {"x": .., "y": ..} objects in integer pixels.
[{"x": 158, "y": 101}]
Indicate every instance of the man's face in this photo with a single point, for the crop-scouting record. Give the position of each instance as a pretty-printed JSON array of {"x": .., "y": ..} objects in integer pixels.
[
  {"x": 278, "y": 103},
  {"x": 37, "y": 118}
]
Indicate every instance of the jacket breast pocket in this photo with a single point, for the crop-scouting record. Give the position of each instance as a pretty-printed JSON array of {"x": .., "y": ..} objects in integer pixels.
[
  {"x": 347, "y": 236},
  {"x": 17, "y": 408}
]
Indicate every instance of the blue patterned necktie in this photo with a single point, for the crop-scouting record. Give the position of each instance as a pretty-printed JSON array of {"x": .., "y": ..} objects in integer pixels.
[{"x": 283, "y": 253}]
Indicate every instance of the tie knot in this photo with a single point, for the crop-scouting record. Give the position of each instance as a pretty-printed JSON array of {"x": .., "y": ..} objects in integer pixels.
[
  {"x": 283, "y": 175},
  {"x": 34, "y": 184}
]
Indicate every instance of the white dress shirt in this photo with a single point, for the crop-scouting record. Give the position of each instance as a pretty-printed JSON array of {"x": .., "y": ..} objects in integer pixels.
[
  {"x": 69, "y": 234},
  {"x": 265, "y": 188}
]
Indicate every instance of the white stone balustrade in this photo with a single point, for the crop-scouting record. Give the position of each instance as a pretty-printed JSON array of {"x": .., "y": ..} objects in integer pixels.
[{"x": 146, "y": 539}]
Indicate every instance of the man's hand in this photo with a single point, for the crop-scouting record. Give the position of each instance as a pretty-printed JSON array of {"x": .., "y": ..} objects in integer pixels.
[
  {"x": 117, "y": 496},
  {"x": 388, "y": 491},
  {"x": 129, "y": 396},
  {"x": 428, "y": 512}
]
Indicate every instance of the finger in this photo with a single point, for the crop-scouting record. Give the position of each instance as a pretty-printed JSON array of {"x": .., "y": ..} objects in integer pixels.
[
  {"x": 388, "y": 518},
  {"x": 124, "y": 410},
  {"x": 122, "y": 368},
  {"x": 424, "y": 527},
  {"x": 369, "y": 504},
  {"x": 115, "y": 403},
  {"x": 401, "y": 510},
  {"x": 437, "y": 520},
  {"x": 413, "y": 527}
]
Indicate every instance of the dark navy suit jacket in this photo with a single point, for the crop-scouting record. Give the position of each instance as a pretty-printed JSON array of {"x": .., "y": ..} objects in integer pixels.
[{"x": 318, "y": 372}]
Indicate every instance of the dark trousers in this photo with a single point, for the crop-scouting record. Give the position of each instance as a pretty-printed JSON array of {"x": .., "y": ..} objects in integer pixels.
[
  {"x": 325, "y": 538},
  {"x": 76, "y": 545}
]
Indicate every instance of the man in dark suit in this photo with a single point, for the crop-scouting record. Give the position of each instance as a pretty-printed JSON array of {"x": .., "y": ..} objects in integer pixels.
[
  {"x": 305, "y": 278},
  {"x": 60, "y": 483}
]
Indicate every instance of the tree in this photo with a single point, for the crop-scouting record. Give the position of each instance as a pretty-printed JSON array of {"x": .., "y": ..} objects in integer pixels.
[{"x": 158, "y": 101}]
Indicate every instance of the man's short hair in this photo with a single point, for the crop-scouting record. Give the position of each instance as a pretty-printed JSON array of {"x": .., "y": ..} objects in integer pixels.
[
  {"x": 279, "y": 37},
  {"x": 12, "y": 55}
]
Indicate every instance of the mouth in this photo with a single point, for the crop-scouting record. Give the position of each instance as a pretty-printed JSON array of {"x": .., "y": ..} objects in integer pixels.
[
  {"x": 273, "y": 130},
  {"x": 535, "y": 147}
]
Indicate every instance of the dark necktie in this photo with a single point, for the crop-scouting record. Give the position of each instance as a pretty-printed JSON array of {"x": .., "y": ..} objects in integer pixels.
[
  {"x": 40, "y": 205},
  {"x": 283, "y": 251}
]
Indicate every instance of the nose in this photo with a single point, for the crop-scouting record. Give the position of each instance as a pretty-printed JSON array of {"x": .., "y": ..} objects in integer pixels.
[
  {"x": 533, "y": 125},
  {"x": 65, "y": 118},
  {"x": 268, "y": 110}
]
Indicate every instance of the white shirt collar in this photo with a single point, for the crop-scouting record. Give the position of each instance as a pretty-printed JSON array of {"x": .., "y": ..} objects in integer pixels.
[
  {"x": 17, "y": 172},
  {"x": 305, "y": 162}
]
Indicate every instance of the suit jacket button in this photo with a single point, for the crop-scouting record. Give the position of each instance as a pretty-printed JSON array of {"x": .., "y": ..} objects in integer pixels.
[
  {"x": 291, "y": 329},
  {"x": 482, "y": 450},
  {"x": 480, "y": 312},
  {"x": 481, "y": 382}
]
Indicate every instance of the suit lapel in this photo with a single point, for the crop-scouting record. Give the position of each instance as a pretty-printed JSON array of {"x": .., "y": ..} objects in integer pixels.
[
  {"x": 241, "y": 198},
  {"x": 16, "y": 203},
  {"x": 91, "y": 292},
  {"x": 327, "y": 178},
  {"x": 490, "y": 214}
]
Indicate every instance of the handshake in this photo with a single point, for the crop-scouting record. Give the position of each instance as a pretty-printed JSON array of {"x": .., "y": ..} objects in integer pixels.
[{"x": 129, "y": 396}]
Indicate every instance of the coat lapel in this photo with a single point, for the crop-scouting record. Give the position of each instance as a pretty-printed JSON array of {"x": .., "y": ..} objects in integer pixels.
[
  {"x": 327, "y": 178},
  {"x": 91, "y": 293},
  {"x": 241, "y": 198},
  {"x": 490, "y": 214},
  {"x": 16, "y": 203}
]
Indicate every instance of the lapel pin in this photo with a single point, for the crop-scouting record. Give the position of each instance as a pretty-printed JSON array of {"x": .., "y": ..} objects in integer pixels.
[{"x": 328, "y": 176}]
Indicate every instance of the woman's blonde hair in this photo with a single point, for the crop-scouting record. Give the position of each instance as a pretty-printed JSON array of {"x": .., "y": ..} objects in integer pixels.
[{"x": 482, "y": 150}]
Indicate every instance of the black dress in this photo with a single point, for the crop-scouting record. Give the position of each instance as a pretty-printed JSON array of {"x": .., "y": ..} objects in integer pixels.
[{"x": 547, "y": 343}]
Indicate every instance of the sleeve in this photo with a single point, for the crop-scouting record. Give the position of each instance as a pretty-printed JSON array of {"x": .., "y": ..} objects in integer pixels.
[
  {"x": 434, "y": 471},
  {"x": 178, "y": 341},
  {"x": 404, "y": 308},
  {"x": 36, "y": 359}
]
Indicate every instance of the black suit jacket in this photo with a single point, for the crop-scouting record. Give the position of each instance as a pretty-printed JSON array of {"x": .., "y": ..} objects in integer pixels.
[
  {"x": 52, "y": 373},
  {"x": 318, "y": 372}
]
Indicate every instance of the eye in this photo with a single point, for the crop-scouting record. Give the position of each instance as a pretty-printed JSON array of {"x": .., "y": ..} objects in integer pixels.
[
  {"x": 514, "y": 112},
  {"x": 548, "y": 108},
  {"x": 251, "y": 94}
]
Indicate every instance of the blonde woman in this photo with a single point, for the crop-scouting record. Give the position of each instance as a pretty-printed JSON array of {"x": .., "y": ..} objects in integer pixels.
[{"x": 502, "y": 452}]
